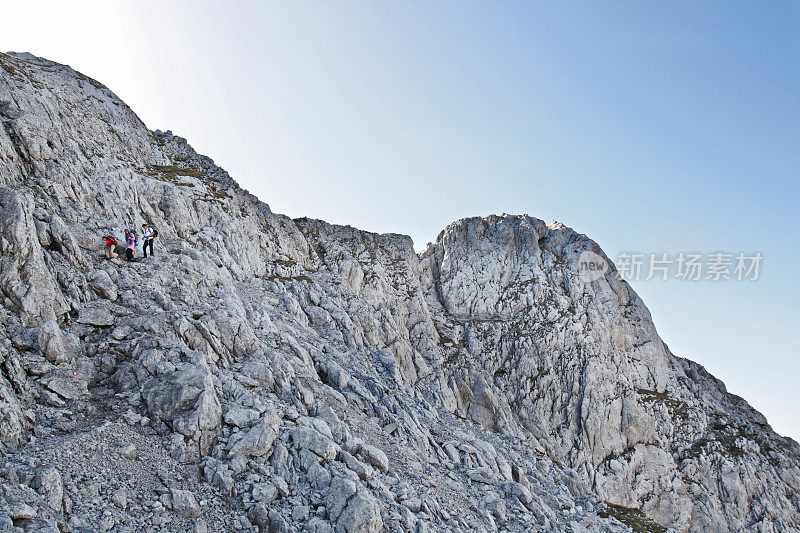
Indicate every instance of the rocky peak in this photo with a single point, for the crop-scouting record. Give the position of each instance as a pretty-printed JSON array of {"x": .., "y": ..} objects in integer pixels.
[{"x": 278, "y": 374}]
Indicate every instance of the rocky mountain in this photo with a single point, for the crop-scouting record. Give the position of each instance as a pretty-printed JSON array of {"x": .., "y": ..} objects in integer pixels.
[{"x": 264, "y": 373}]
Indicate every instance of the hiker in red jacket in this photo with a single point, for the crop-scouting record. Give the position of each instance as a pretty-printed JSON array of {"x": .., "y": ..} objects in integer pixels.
[{"x": 111, "y": 244}]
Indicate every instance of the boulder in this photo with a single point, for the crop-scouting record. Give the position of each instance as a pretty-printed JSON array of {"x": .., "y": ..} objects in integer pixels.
[
  {"x": 49, "y": 484},
  {"x": 102, "y": 284},
  {"x": 341, "y": 490},
  {"x": 241, "y": 417},
  {"x": 21, "y": 511},
  {"x": 184, "y": 503},
  {"x": 312, "y": 440},
  {"x": 96, "y": 316},
  {"x": 333, "y": 374},
  {"x": 257, "y": 442},
  {"x": 52, "y": 344},
  {"x": 68, "y": 385},
  {"x": 129, "y": 451},
  {"x": 375, "y": 457},
  {"x": 361, "y": 515}
]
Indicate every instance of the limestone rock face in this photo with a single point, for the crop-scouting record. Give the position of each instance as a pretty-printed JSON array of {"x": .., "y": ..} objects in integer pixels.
[
  {"x": 297, "y": 375},
  {"x": 25, "y": 281}
]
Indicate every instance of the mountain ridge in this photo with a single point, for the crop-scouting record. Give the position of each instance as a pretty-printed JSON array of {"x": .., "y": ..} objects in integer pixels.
[{"x": 277, "y": 364}]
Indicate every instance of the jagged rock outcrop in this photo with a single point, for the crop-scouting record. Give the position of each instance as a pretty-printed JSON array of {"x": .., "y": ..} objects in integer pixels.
[{"x": 275, "y": 374}]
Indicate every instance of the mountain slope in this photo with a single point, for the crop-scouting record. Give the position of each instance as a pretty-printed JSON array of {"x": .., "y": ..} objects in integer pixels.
[{"x": 292, "y": 374}]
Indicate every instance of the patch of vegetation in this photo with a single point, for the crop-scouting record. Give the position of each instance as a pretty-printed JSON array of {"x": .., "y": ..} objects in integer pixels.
[
  {"x": 167, "y": 173},
  {"x": 6, "y": 65},
  {"x": 627, "y": 309},
  {"x": 652, "y": 395},
  {"x": 451, "y": 359},
  {"x": 445, "y": 341},
  {"x": 285, "y": 279},
  {"x": 172, "y": 174},
  {"x": 89, "y": 80},
  {"x": 173, "y": 171},
  {"x": 624, "y": 455},
  {"x": 677, "y": 408},
  {"x": 214, "y": 195},
  {"x": 286, "y": 262},
  {"x": 725, "y": 435},
  {"x": 14, "y": 66},
  {"x": 631, "y": 517},
  {"x": 720, "y": 438}
]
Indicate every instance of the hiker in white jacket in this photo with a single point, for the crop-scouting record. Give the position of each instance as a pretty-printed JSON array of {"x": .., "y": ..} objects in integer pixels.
[{"x": 147, "y": 233}]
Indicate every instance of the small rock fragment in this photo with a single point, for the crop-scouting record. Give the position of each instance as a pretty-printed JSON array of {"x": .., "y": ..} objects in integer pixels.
[{"x": 129, "y": 451}]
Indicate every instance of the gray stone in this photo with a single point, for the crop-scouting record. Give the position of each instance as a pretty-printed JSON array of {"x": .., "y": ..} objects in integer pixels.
[
  {"x": 120, "y": 498},
  {"x": 482, "y": 475},
  {"x": 265, "y": 492},
  {"x": 21, "y": 511},
  {"x": 300, "y": 513},
  {"x": 101, "y": 283},
  {"x": 259, "y": 515},
  {"x": 341, "y": 490},
  {"x": 522, "y": 493},
  {"x": 317, "y": 525},
  {"x": 49, "y": 484},
  {"x": 129, "y": 451},
  {"x": 334, "y": 374},
  {"x": 184, "y": 503},
  {"x": 68, "y": 386},
  {"x": 319, "y": 477},
  {"x": 375, "y": 456},
  {"x": 238, "y": 464},
  {"x": 361, "y": 515},
  {"x": 257, "y": 442},
  {"x": 362, "y": 471},
  {"x": 29, "y": 287},
  {"x": 310, "y": 439},
  {"x": 277, "y": 523},
  {"x": 95, "y": 316},
  {"x": 52, "y": 344},
  {"x": 241, "y": 417},
  {"x": 413, "y": 504},
  {"x": 223, "y": 481}
]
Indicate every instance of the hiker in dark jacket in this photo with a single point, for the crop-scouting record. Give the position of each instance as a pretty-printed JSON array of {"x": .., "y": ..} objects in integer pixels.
[{"x": 130, "y": 241}]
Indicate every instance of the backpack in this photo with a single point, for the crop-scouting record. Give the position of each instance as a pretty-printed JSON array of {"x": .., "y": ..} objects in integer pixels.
[{"x": 155, "y": 232}]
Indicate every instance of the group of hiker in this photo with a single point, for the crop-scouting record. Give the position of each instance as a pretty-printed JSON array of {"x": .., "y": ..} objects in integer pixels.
[{"x": 131, "y": 243}]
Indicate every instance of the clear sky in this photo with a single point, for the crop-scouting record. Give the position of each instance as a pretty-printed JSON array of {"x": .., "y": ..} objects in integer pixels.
[{"x": 649, "y": 126}]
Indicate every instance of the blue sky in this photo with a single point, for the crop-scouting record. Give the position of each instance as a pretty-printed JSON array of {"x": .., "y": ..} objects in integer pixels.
[{"x": 649, "y": 126}]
